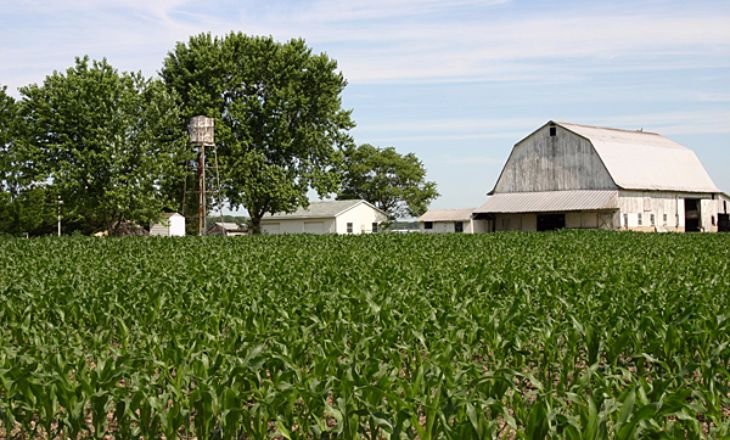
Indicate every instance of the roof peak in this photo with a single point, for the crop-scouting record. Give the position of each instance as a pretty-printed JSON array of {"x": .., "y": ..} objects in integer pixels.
[{"x": 623, "y": 130}]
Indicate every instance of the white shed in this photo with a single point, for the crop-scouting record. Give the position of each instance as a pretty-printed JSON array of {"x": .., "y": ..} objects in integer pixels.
[
  {"x": 448, "y": 220},
  {"x": 567, "y": 175},
  {"x": 171, "y": 224},
  {"x": 327, "y": 217}
]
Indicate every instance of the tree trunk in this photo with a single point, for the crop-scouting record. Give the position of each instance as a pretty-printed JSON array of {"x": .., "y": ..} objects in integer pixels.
[{"x": 255, "y": 225}]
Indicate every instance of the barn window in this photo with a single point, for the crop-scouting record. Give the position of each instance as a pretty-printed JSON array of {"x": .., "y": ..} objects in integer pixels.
[
  {"x": 665, "y": 219},
  {"x": 626, "y": 220},
  {"x": 428, "y": 225},
  {"x": 639, "y": 220},
  {"x": 349, "y": 228},
  {"x": 375, "y": 227},
  {"x": 553, "y": 130},
  {"x": 652, "y": 220},
  {"x": 713, "y": 220}
]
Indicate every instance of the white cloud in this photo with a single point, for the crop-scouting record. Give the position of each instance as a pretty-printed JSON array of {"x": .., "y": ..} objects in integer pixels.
[{"x": 388, "y": 40}]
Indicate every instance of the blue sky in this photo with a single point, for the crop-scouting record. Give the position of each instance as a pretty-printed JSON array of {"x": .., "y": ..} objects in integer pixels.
[{"x": 457, "y": 82}]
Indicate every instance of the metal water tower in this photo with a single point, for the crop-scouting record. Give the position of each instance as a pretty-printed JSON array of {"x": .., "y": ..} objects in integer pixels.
[{"x": 201, "y": 135}]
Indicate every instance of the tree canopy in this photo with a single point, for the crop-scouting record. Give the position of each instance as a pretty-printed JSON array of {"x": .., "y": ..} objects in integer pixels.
[
  {"x": 104, "y": 141},
  {"x": 279, "y": 116},
  {"x": 394, "y": 182},
  {"x": 113, "y": 145}
]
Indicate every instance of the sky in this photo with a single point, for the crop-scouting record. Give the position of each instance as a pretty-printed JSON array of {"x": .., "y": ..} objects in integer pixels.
[{"x": 457, "y": 82}]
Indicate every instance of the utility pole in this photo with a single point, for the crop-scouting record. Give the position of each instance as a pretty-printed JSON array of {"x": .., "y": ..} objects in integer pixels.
[
  {"x": 202, "y": 195},
  {"x": 201, "y": 135},
  {"x": 59, "y": 203}
]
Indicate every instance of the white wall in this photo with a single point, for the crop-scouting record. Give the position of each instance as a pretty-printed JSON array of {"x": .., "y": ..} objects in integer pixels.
[
  {"x": 362, "y": 218},
  {"x": 177, "y": 226},
  {"x": 298, "y": 226},
  {"x": 709, "y": 210},
  {"x": 447, "y": 227},
  {"x": 516, "y": 222}
]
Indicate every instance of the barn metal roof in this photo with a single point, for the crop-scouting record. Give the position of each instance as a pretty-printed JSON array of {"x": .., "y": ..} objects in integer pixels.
[
  {"x": 549, "y": 201},
  {"x": 446, "y": 215},
  {"x": 322, "y": 209},
  {"x": 642, "y": 160},
  {"x": 228, "y": 226}
]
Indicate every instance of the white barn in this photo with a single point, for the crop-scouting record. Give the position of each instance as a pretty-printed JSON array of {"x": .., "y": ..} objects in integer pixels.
[
  {"x": 567, "y": 175},
  {"x": 448, "y": 220},
  {"x": 171, "y": 224},
  {"x": 327, "y": 217}
]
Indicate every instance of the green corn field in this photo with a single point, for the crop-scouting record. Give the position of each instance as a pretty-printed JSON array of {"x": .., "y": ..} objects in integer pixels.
[{"x": 578, "y": 335}]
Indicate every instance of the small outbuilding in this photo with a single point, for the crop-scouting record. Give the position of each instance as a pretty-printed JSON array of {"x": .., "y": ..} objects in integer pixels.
[
  {"x": 227, "y": 229},
  {"x": 327, "y": 217},
  {"x": 448, "y": 220},
  {"x": 171, "y": 224}
]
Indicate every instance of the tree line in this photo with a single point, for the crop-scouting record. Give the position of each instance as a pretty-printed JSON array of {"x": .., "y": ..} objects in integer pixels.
[{"x": 109, "y": 147}]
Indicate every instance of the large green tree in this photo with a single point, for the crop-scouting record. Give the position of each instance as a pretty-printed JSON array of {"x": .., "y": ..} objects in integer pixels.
[
  {"x": 105, "y": 142},
  {"x": 22, "y": 210},
  {"x": 278, "y": 111},
  {"x": 8, "y": 117},
  {"x": 393, "y": 182}
]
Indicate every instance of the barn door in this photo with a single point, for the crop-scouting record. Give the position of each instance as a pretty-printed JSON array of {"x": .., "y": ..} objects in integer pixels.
[
  {"x": 723, "y": 222},
  {"x": 550, "y": 222},
  {"x": 692, "y": 217}
]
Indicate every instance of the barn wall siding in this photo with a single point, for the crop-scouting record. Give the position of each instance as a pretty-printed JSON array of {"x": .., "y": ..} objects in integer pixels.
[
  {"x": 562, "y": 162},
  {"x": 671, "y": 204}
]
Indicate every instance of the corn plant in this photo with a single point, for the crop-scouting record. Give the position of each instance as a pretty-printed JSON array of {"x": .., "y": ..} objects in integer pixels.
[{"x": 578, "y": 335}]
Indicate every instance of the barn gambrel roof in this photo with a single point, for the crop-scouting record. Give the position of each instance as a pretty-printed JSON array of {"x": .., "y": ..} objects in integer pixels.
[{"x": 641, "y": 160}]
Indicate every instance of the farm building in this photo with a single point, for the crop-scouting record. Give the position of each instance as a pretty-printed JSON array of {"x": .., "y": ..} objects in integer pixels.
[
  {"x": 227, "y": 229},
  {"x": 566, "y": 175},
  {"x": 171, "y": 224},
  {"x": 327, "y": 217},
  {"x": 448, "y": 220}
]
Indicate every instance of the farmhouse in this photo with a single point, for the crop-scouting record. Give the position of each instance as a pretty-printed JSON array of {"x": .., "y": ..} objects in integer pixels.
[
  {"x": 566, "y": 175},
  {"x": 171, "y": 224},
  {"x": 327, "y": 217},
  {"x": 448, "y": 220}
]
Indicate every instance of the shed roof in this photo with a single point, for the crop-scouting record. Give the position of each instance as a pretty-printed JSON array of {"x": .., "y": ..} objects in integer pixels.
[
  {"x": 166, "y": 215},
  {"x": 321, "y": 209},
  {"x": 642, "y": 160},
  {"x": 228, "y": 226},
  {"x": 549, "y": 201},
  {"x": 446, "y": 215}
]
